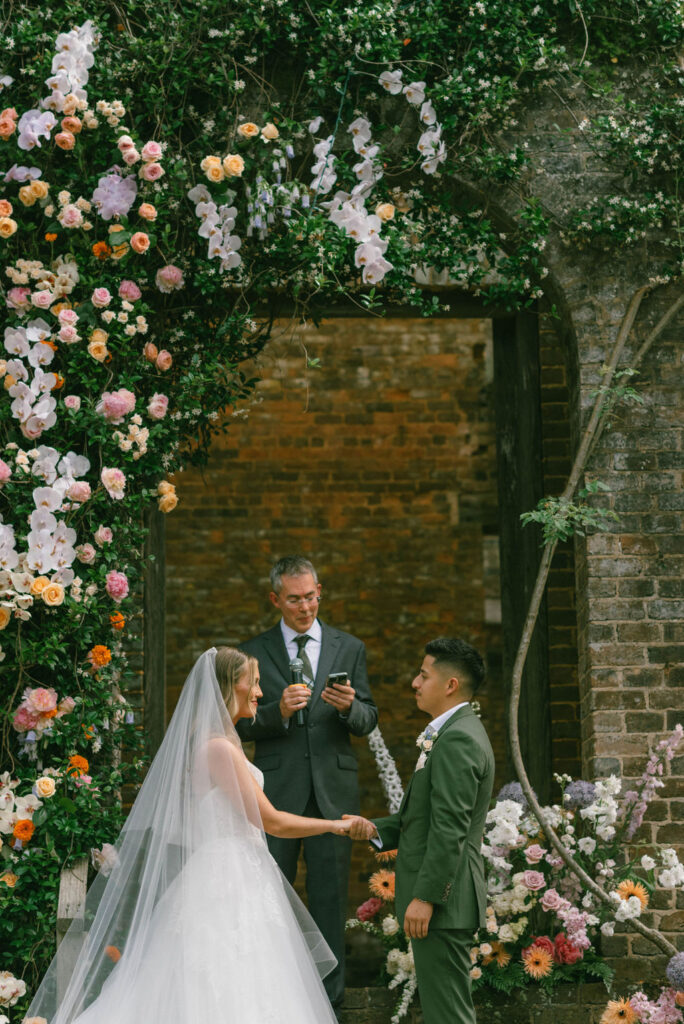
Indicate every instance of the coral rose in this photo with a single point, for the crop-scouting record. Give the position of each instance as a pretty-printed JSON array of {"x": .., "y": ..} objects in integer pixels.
[
  {"x": 65, "y": 140},
  {"x": 53, "y": 595},
  {"x": 10, "y": 880},
  {"x": 164, "y": 360},
  {"x": 45, "y": 787},
  {"x": 566, "y": 952},
  {"x": 248, "y": 130},
  {"x": 147, "y": 211},
  {"x": 166, "y": 487},
  {"x": 540, "y": 942},
  {"x": 140, "y": 242},
  {"x": 5, "y": 208},
  {"x": 71, "y": 124},
  {"x": 233, "y": 165},
  {"x": 150, "y": 352}
]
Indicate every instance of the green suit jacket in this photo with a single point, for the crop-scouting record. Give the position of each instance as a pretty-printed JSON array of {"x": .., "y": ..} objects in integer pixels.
[{"x": 438, "y": 828}]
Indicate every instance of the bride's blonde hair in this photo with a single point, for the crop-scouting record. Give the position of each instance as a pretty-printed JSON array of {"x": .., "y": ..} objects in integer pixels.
[{"x": 230, "y": 664}]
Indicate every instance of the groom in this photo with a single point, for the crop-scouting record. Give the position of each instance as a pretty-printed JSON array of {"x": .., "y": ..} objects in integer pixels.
[
  {"x": 440, "y": 884},
  {"x": 303, "y": 745}
]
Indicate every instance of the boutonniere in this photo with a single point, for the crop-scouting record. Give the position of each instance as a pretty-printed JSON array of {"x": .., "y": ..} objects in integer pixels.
[{"x": 424, "y": 744}]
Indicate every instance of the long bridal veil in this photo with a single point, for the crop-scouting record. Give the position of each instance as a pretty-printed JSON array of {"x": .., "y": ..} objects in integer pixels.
[{"x": 189, "y": 906}]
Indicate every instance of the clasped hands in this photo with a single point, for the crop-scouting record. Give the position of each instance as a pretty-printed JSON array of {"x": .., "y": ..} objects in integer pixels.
[
  {"x": 297, "y": 696},
  {"x": 418, "y": 913}
]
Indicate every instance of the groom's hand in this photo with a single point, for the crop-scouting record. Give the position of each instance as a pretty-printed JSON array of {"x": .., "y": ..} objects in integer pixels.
[
  {"x": 360, "y": 828},
  {"x": 417, "y": 919}
]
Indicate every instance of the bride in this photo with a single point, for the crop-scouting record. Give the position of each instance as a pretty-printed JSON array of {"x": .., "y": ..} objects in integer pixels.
[{"x": 191, "y": 921}]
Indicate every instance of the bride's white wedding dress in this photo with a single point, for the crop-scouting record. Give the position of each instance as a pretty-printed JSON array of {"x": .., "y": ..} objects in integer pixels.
[{"x": 227, "y": 941}]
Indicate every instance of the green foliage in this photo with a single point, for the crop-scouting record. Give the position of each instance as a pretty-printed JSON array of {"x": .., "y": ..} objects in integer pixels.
[
  {"x": 619, "y": 392},
  {"x": 561, "y": 519}
]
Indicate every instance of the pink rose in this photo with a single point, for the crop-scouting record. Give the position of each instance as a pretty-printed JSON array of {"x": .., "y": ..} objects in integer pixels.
[
  {"x": 129, "y": 290},
  {"x": 369, "y": 909},
  {"x": 72, "y": 402},
  {"x": 86, "y": 553},
  {"x": 65, "y": 706},
  {"x": 24, "y": 719},
  {"x": 151, "y": 151},
  {"x": 70, "y": 217},
  {"x": 114, "y": 405},
  {"x": 130, "y": 156},
  {"x": 79, "y": 491},
  {"x": 42, "y": 699},
  {"x": 534, "y": 880},
  {"x": 169, "y": 278},
  {"x": 68, "y": 317},
  {"x": 103, "y": 535},
  {"x": 116, "y": 585},
  {"x": 150, "y": 352},
  {"x": 565, "y": 952},
  {"x": 69, "y": 335},
  {"x": 101, "y": 297},
  {"x": 42, "y": 299},
  {"x": 125, "y": 142},
  {"x": 17, "y": 298},
  {"x": 151, "y": 172},
  {"x": 164, "y": 360},
  {"x": 158, "y": 406},
  {"x": 6, "y": 472},
  {"x": 83, "y": 780},
  {"x": 534, "y": 853},
  {"x": 551, "y": 900},
  {"x": 114, "y": 482}
]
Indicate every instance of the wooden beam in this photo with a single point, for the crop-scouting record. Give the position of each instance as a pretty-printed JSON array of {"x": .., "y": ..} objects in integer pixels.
[{"x": 521, "y": 485}]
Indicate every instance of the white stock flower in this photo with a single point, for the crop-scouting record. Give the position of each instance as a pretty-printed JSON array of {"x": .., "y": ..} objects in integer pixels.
[{"x": 587, "y": 845}]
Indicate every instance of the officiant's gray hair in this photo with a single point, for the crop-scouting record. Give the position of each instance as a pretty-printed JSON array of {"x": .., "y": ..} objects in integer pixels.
[
  {"x": 229, "y": 665},
  {"x": 291, "y": 565}
]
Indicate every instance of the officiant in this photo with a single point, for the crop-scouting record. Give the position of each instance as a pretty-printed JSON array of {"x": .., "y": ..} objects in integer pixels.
[{"x": 302, "y": 737}]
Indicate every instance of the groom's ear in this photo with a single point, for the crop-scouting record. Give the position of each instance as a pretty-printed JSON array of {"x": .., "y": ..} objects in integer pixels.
[{"x": 453, "y": 686}]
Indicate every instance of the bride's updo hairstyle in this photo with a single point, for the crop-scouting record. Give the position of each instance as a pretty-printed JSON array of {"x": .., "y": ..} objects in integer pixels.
[{"x": 230, "y": 664}]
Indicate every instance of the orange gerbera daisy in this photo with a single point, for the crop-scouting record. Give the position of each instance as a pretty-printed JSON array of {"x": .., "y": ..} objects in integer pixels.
[
  {"x": 101, "y": 250},
  {"x": 619, "y": 1011},
  {"x": 382, "y": 884},
  {"x": 386, "y": 856},
  {"x": 630, "y": 888},
  {"x": 23, "y": 830},
  {"x": 538, "y": 963},
  {"x": 99, "y": 656},
  {"x": 114, "y": 953},
  {"x": 497, "y": 954},
  {"x": 78, "y": 765}
]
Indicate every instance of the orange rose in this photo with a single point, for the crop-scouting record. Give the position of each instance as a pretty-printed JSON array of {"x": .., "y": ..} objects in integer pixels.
[
  {"x": 5, "y": 208},
  {"x": 77, "y": 765},
  {"x": 71, "y": 124},
  {"x": 10, "y": 879},
  {"x": 65, "y": 140},
  {"x": 114, "y": 953},
  {"x": 140, "y": 242},
  {"x": 147, "y": 211},
  {"x": 23, "y": 830}
]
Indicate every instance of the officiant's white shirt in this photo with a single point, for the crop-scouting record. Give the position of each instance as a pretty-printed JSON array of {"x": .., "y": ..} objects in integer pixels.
[{"x": 313, "y": 646}]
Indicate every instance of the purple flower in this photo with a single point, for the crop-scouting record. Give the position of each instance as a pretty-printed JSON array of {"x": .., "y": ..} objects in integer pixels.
[
  {"x": 675, "y": 972},
  {"x": 513, "y": 791},
  {"x": 115, "y": 195},
  {"x": 579, "y": 794}
]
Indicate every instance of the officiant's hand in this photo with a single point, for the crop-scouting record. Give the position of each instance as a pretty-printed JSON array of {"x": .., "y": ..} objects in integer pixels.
[
  {"x": 360, "y": 828},
  {"x": 417, "y": 919},
  {"x": 340, "y": 827},
  {"x": 294, "y": 698},
  {"x": 339, "y": 697}
]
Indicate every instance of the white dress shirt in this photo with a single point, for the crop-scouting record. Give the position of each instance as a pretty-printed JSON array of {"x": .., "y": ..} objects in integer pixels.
[{"x": 313, "y": 646}]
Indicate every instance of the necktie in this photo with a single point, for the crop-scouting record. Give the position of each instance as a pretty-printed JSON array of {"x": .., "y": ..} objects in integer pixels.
[{"x": 301, "y": 642}]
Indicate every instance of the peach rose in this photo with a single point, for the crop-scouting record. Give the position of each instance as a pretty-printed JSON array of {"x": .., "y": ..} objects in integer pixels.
[
  {"x": 164, "y": 360},
  {"x": 140, "y": 242},
  {"x": 5, "y": 208},
  {"x": 5, "y": 617},
  {"x": 71, "y": 124},
  {"x": 99, "y": 336},
  {"x": 215, "y": 173},
  {"x": 385, "y": 211},
  {"x": 150, "y": 352},
  {"x": 10, "y": 880},
  {"x": 65, "y": 140},
  {"x": 98, "y": 350},
  {"x": 7, "y": 227},
  {"x": 45, "y": 787},
  {"x": 39, "y": 189},
  {"x": 248, "y": 130},
  {"x": 269, "y": 132},
  {"x": 39, "y": 584},
  {"x": 210, "y": 161},
  {"x": 167, "y": 503},
  {"x": 147, "y": 211},
  {"x": 166, "y": 487},
  {"x": 26, "y": 195},
  {"x": 233, "y": 165}
]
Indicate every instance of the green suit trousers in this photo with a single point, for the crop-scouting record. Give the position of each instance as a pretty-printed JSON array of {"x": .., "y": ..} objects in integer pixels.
[{"x": 443, "y": 965}]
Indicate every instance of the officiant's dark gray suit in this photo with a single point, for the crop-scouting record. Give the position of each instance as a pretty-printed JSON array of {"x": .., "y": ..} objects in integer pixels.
[{"x": 312, "y": 770}]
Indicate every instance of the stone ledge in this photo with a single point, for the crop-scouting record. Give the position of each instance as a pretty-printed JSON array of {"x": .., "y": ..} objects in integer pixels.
[{"x": 568, "y": 1004}]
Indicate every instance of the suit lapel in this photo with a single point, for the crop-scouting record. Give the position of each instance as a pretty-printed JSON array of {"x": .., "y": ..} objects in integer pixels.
[
  {"x": 277, "y": 651},
  {"x": 461, "y": 713},
  {"x": 330, "y": 645}
]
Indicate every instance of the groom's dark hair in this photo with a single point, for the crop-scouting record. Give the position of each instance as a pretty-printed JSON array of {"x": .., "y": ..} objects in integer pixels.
[{"x": 460, "y": 656}]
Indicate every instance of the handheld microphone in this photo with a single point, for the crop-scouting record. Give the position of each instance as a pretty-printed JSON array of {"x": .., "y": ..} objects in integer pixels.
[{"x": 297, "y": 677}]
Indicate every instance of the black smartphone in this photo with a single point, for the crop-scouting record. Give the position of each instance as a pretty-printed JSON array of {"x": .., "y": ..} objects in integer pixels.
[{"x": 337, "y": 677}]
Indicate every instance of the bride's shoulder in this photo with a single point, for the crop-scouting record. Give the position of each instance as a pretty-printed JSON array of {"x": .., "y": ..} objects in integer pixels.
[{"x": 220, "y": 747}]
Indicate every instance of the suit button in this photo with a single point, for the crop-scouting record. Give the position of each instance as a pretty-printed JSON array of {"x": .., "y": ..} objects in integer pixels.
[{"x": 307, "y": 755}]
